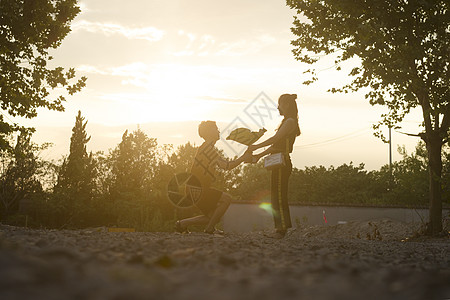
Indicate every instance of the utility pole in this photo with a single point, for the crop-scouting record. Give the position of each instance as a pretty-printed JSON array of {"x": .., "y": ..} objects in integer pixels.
[
  {"x": 390, "y": 183},
  {"x": 390, "y": 150}
]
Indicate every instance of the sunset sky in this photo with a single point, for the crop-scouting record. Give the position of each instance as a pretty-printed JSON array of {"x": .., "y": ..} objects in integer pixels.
[{"x": 166, "y": 65}]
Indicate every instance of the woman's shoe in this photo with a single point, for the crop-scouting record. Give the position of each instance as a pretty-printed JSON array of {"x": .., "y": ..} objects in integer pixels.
[
  {"x": 281, "y": 232},
  {"x": 180, "y": 229},
  {"x": 277, "y": 234}
]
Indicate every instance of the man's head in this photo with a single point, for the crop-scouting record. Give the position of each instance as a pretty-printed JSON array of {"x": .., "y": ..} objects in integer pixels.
[{"x": 208, "y": 131}]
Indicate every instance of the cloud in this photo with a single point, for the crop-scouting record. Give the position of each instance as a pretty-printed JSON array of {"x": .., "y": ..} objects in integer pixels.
[
  {"x": 202, "y": 86},
  {"x": 91, "y": 69},
  {"x": 123, "y": 97},
  {"x": 135, "y": 73},
  {"x": 196, "y": 46},
  {"x": 83, "y": 7},
  {"x": 245, "y": 47},
  {"x": 223, "y": 99},
  {"x": 151, "y": 34},
  {"x": 206, "y": 45}
]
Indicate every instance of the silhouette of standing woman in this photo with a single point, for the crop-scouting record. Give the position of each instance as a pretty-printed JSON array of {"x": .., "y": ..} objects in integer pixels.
[{"x": 281, "y": 142}]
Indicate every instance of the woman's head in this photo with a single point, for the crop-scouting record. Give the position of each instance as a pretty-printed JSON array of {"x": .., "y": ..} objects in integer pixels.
[{"x": 287, "y": 106}]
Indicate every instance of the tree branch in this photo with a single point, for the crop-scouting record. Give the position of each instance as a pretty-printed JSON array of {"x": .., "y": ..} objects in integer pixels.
[{"x": 412, "y": 134}]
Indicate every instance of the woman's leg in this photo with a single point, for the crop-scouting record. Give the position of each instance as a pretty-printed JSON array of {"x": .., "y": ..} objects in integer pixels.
[
  {"x": 275, "y": 197},
  {"x": 279, "y": 199},
  {"x": 285, "y": 212}
]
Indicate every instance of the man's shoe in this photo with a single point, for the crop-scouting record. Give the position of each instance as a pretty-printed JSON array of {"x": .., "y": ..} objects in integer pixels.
[
  {"x": 214, "y": 231},
  {"x": 180, "y": 229}
]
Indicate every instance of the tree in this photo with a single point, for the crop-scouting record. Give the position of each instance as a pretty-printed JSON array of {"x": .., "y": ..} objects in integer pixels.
[
  {"x": 410, "y": 176},
  {"x": 345, "y": 184},
  {"x": 19, "y": 178},
  {"x": 76, "y": 179},
  {"x": 182, "y": 159},
  {"x": 28, "y": 29},
  {"x": 446, "y": 174},
  {"x": 403, "y": 50},
  {"x": 254, "y": 183},
  {"x": 133, "y": 165}
]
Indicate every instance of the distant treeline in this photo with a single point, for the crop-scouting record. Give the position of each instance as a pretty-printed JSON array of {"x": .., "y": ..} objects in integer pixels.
[{"x": 127, "y": 186}]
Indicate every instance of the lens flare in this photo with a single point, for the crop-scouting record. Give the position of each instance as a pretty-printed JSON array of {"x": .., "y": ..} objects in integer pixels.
[
  {"x": 263, "y": 197},
  {"x": 266, "y": 206}
]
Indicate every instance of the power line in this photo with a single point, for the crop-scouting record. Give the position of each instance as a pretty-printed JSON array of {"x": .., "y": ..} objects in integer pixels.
[
  {"x": 1, "y": 112},
  {"x": 348, "y": 136}
]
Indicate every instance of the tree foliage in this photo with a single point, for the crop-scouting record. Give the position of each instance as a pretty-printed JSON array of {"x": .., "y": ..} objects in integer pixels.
[
  {"x": 254, "y": 183},
  {"x": 75, "y": 189},
  {"x": 28, "y": 30},
  {"x": 75, "y": 170},
  {"x": 141, "y": 202},
  {"x": 128, "y": 186},
  {"x": 133, "y": 196},
  {"x": 403, "y": 49},
  {"x": 20, "y": 179},
  {"x": 133, "y": 165}
]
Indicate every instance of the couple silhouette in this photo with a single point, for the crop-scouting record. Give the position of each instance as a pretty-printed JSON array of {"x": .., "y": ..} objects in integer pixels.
[{"x": 212, "y": 202}]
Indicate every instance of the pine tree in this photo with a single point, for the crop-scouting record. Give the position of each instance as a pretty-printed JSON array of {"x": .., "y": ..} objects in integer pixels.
[{"x": 76, "y": 179}]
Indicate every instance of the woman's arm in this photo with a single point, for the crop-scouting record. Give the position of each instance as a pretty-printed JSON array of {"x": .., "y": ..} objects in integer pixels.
[
  {"x": 258, "y": 156},
  {"x": 283, "y": 131}
]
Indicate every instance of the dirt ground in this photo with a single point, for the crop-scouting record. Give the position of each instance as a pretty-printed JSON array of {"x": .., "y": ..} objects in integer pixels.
[{"x": 357, "y": 260}]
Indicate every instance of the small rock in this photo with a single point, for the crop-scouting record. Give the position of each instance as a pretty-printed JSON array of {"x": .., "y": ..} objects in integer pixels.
[
  {"x": 165, "y": 262},
  {"x": 226, "y": 261},
  {"x": 136, "y": 259},
  {"x": 41, "y": 243}
]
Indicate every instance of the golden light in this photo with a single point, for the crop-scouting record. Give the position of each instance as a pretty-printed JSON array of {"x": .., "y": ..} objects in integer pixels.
[{"x": 174, "y": 93}]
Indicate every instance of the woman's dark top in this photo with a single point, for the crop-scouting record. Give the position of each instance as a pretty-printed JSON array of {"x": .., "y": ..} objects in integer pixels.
[{"x": 286, "y": 144}]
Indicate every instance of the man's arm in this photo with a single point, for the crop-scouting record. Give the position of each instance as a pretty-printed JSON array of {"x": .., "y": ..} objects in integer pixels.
[{"x": 228, "y": 165}]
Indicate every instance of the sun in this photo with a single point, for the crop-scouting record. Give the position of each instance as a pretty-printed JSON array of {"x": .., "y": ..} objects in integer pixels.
[
  {"x": 167, "y": 93},
  {"x": 175, "y": 93}
]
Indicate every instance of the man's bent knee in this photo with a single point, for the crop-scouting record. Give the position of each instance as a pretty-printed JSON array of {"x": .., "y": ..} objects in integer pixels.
[{"x": 226, "y": 198}]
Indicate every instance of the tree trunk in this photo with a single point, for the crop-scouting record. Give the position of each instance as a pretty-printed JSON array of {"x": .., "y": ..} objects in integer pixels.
[{"x": 434, "y": 148}]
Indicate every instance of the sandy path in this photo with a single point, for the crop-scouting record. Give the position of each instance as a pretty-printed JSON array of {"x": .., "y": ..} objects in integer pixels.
[{"x": 310, "y": 263}]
